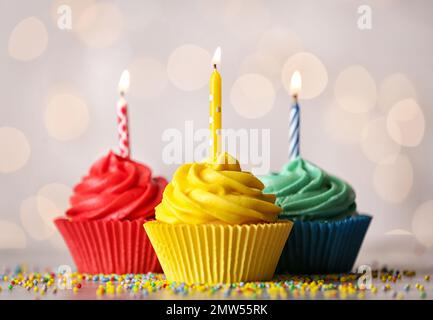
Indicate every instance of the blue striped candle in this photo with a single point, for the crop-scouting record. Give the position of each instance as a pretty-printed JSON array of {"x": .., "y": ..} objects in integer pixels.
[
  {"x": 294, "y": 129},
  {"x": 295, "y": 117}
]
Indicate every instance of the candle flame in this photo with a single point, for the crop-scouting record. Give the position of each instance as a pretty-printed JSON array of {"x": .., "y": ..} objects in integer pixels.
[
  {"x": 124, "y": 82},
  {"x": 217, "y": 57},
  {"x": 296, "y": 83}
]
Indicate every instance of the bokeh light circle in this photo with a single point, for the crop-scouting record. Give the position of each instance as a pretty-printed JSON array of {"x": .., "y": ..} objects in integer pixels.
[
  {"x": 393, "y": 89},
  {"x": 393, "y": 180},
  {"x": 313, "y": 72},
  {"x": 189, "y": 67},
  {"x": 344, "y": 126},
  {"x": 53, "y": 201},
  {"x": 100, "y": 25},
  {"x": 15, "y": 149},
  {"x": 376, "y": 143},
  {"x": 422, "y": 223},
  {"x": 12, "y": 236},
  {"x": 28, "y": 40},
  {"x": 66, "y": 116},
  {"x": 406, "y": 123},
  {"x": 32, "y": 221},
  {"x": 264, "y": 64},
  {"x": 355, "y": 89},
  {"x": 274, "y": 46},
  {"x": 148, "y": 77},
  {"x": 252, "y": 96}
]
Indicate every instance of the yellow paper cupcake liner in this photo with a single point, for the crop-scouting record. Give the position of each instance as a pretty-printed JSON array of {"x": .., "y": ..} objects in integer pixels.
[{"x": 216, "y": 253}]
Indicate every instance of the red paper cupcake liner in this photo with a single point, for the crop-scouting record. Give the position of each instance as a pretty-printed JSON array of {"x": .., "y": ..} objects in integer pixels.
[{"x": 109, "y": 246}]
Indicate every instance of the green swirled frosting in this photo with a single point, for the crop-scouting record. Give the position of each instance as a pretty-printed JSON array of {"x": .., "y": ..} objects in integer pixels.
[{"x": 306, "y": 192}]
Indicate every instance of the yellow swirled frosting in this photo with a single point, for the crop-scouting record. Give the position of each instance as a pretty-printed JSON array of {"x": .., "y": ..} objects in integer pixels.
[{"x": 216, "y": 192}]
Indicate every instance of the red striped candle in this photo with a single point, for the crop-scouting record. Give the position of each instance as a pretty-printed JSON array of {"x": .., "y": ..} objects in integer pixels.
[{"x": 122, "y": 116}]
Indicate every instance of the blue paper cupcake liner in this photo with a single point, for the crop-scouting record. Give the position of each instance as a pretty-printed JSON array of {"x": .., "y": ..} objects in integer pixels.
[{"x": 317, "y": 247}]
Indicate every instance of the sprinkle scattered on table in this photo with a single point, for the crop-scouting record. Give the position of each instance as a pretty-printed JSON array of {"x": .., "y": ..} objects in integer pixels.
[{"x": 336, "y": 286}]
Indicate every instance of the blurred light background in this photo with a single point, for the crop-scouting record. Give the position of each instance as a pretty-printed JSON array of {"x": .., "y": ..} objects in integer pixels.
[{"x": 366, "y": 102}]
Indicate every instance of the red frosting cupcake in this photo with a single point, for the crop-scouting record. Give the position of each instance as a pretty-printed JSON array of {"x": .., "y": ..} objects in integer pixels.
[{"x": 103, "y": 228}]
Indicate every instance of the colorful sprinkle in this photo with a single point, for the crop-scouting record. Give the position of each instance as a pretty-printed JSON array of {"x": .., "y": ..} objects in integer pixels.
[{"x": 332, "y": 286}]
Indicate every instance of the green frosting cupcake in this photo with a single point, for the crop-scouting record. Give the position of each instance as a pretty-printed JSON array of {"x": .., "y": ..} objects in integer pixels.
[{"x": 306, "y": 192}]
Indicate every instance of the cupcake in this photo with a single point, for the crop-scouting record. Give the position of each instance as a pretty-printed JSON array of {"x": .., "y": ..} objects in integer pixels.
[
  {"x": 103, "y": 227},
  {"x": 215, "y": 225},
  {"x": 328, "y": 230}
]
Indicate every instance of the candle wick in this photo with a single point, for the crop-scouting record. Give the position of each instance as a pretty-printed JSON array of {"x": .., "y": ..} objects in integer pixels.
[
  {"x": 215, "y": 66},
  {"x": 122, "y": 94},
  {"x": 295, "y": 97}
]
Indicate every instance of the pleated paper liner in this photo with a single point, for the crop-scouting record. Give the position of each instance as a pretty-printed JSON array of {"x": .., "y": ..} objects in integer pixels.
[
  {"x": 216, "y": 253},
  {"x": 109, "y": 246},
  {"x": 316, "y": 247}
]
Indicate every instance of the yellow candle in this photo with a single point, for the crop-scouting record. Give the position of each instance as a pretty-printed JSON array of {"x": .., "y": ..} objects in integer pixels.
[{"x": 215, "y": 107}]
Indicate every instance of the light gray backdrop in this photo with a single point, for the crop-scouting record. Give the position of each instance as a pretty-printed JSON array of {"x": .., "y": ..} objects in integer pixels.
[{"x": 365, "y": 117}]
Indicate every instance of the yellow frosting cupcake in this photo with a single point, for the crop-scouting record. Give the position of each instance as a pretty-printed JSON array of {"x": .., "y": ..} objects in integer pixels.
[{"x": 215, "y": 225}]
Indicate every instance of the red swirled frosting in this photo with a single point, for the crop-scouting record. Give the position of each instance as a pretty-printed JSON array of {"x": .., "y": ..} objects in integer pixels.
[{"x": 116, "y": 189}]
